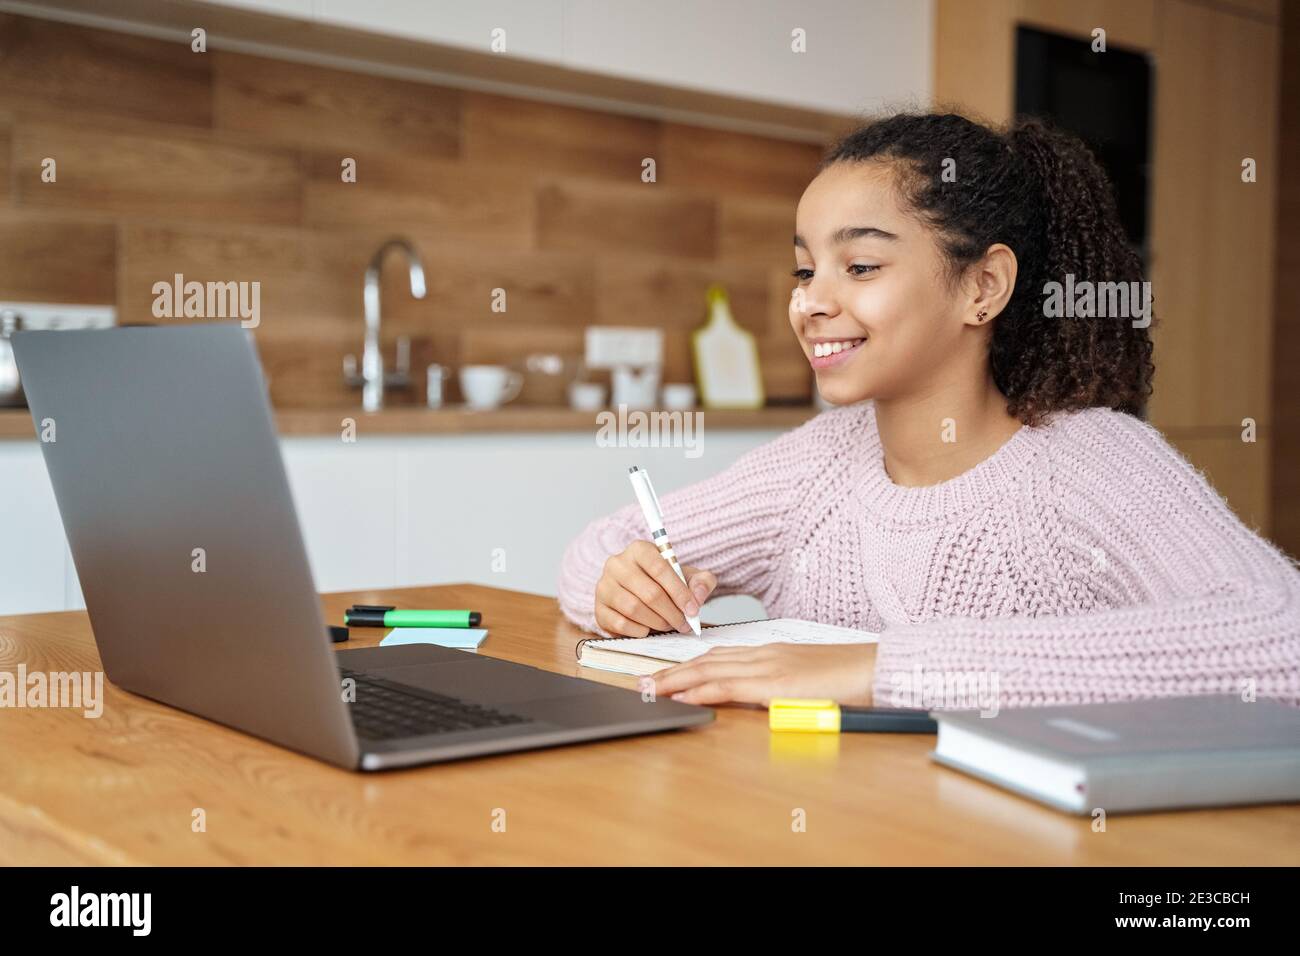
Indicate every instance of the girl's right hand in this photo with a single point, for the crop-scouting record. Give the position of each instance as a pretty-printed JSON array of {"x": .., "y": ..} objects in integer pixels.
[{"x": 639, "y": 592}]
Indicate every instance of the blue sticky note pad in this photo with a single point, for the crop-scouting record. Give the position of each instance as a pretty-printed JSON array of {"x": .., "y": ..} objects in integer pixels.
[{"x": 467, "y": 638}]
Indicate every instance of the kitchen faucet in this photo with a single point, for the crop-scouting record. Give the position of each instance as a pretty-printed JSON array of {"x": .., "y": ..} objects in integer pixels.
[{"x": 373, "y": 378}]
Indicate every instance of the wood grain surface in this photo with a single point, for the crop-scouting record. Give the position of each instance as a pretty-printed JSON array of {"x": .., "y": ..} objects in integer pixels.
[{"x": 121, "y": 789}]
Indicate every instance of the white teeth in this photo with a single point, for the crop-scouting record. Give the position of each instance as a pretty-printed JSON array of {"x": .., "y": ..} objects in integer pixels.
[{"x": 823, "y": 349}]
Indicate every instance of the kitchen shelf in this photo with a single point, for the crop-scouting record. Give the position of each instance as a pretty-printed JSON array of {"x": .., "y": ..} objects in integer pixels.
[{"x": 17, "y": 423}]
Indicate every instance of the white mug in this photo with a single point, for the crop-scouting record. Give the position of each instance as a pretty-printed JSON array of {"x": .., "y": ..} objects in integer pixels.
[
  {"x": 678, "y": 396},
  {"x": 586, "y": 396},
  {"x": 487, "y": 386},
  {"x": 635, "y": 388}
]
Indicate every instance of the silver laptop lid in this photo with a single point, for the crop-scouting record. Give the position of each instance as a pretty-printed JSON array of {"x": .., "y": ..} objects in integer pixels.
[{"x": 173, "y": 494}]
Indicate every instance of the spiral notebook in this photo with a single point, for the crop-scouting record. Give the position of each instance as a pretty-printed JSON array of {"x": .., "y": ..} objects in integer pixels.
[{"x": 646, "y": 655}]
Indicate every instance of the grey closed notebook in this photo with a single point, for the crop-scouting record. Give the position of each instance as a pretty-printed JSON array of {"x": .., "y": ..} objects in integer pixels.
[{"x": 1142, "y": 755}]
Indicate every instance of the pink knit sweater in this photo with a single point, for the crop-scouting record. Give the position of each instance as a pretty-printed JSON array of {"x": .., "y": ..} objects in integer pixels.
[{"x": 1085, "y": 560}]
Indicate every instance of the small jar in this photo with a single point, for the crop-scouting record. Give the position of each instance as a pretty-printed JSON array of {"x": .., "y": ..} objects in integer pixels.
[{"x": 436, "y": 377}]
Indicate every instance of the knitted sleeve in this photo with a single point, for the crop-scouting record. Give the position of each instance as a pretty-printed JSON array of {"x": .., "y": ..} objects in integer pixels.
[
  {"x": 1226, "y": 618},
  {"x": 730, "y": 524}
]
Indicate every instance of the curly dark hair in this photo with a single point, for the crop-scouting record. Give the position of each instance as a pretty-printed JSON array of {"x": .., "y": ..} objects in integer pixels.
[{"x": 1042, "y": 193}]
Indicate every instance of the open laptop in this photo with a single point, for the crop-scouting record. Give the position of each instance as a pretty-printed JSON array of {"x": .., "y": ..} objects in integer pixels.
[{"x": 164, "y": 444}]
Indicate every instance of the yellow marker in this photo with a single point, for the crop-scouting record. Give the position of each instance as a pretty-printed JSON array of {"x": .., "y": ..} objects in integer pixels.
[
  {"x": 806, "y": 716},
  {"x": 794, "y": 715}
]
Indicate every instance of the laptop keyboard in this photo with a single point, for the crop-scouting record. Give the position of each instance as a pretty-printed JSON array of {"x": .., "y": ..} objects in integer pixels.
[{"x": 385, "y": 710}]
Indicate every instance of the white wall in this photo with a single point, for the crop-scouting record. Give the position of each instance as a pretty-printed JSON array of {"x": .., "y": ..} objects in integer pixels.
[
  {"x": 397, "y": 511},
  {"x": 861, "y": 54}
]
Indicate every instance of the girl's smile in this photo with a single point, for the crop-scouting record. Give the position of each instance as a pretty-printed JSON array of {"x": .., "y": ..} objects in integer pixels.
[{"x": 829, "y": 352}]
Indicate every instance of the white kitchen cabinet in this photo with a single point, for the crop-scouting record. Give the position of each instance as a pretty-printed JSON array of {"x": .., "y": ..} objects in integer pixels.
[
  {"x": 500, "y": 511},
  {"x": 860, "y": 55},
  {"x": 299, "y": 9},
  {"x": 347, "y": 499},
  {"x": 396, "y": 511},
  {"x": 534, "y": 29},
  {"x": 33, "y": 552}
]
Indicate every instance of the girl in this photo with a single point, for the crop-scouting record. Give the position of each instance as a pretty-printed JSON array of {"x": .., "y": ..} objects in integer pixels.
[{"x": 986, "y": 495}]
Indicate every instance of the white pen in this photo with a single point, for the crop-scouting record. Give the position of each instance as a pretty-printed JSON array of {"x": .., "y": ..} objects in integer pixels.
[{"x": 649, "y": 501}]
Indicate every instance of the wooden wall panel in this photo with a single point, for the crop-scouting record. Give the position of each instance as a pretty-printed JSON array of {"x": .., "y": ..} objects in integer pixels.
[
  {"x": 226, "y": 167},
  {"x": 302, "y": 105},
  {"x": 787, "y": 375},
  {"x": 466, "y": 204},
  {"x": 1286, "y": 347},
  {"x": 758, "y": 230},
  {"x": 492, "y": 343},
  {"x": 304, "y": 369},
  {"x": 1212, "y": 235},
  {"x": 637, "y": 217},
  {"x": 304, "y": 278},
  {"x": 1264, "y": 9},
  {"x": 535, "y": 138},
  {"x": 177, "y": 176},
  {"x": 636, "y": 290},
  {"x": 974, "y": 62},
  {"x": 48, "y": 67},
  {"x": 542, "y": 289},
  {"x": 780, "y": 289},
  {"x": 1238, "y": 470},
  {"x": 1131, "y": 23},
  {"x": 35, "y": 265},
  {"x": 6, "y": 150},
  {"x": 734, "y": 163}
]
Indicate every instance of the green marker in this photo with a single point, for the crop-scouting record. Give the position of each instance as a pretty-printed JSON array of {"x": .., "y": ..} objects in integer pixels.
[{"x": 378, "y": 615}]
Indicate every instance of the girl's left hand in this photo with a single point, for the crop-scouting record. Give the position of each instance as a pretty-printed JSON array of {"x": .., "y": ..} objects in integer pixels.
[{"x": 754, "y": 675}]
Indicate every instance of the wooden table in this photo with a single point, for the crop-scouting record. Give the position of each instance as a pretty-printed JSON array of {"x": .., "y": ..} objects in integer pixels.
[{"x": 122, "y": 789}]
